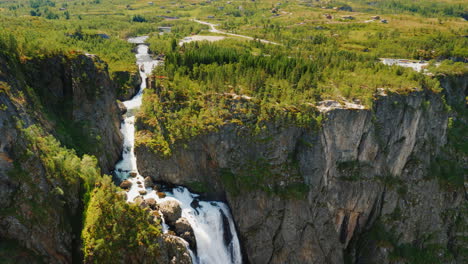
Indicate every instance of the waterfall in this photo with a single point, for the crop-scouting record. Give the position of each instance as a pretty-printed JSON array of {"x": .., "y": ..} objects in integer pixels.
[{"x": 211, "y": 221}]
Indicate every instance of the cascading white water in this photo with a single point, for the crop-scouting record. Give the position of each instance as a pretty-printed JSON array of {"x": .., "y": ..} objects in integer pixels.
[{"x": 212, "y": 223}]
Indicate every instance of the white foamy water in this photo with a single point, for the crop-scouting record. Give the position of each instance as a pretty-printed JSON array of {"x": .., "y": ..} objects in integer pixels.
[{"x": 214, "y": 230}]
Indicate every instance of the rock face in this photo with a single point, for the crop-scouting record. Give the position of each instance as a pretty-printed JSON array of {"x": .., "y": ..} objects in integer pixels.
[
  {"x": 171, "y": 211},
  {"x": 184, "y": 230},
  {"x": 82, "y": 100},
  {"x": 38, "y": 221},
  {"x": 128, "y": 83},
  {"x": 321, "y": 196}
]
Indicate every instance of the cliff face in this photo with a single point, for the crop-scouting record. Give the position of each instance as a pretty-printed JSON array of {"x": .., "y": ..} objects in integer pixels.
[
  {"x": 79, "y": 98},
  {"x": 128, "y": 84},
  {"x": 359, "y": 189},
  {"x": 41, "y": 202}
]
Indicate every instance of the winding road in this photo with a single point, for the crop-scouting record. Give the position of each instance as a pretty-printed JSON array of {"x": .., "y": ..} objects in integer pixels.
[{"x": 214, "y": 30}]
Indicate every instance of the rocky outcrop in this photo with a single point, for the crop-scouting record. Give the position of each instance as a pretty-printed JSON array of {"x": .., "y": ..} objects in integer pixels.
[
  {"x": 128, "y": 84},
  {"x": 36, "y": 218},
  {"x": 358, "y": 188},
  {"x": 81, "y": 100},
  {"x": 455, "y": 88},
  {"x": 72, "y": 98},
  {"x": 171, "y": 211},
  {"x": 184, "y": 230}
]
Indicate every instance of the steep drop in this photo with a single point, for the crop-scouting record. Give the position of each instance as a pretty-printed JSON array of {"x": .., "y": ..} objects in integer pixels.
[{"x": 214, "y": 230}]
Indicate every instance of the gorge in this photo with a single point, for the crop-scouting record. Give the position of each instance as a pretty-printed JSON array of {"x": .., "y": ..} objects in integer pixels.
[
  {"x": 230, "y": 132},
  {"x": 215, "y": 242}
]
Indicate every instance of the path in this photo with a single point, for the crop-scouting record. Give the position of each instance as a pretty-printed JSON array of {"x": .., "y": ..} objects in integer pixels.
[{"x": 214, "y": 30}]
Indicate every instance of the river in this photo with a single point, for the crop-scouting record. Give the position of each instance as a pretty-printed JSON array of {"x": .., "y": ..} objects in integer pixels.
[{"x": 216, "y": 238}]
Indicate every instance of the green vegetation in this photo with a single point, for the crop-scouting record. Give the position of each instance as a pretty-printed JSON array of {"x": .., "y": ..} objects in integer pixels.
[
  {"x": 12, "y": 252},
  {"x": 419, "y": 252},
  {"x": 284, "y": 181},
  {"x": 449, "y": 167},
  {"x": 203, "y": 86},
  {"x": 351, "y": 170},
  {"x": 449, "y": 67},
  {"x": 428, "y": 8},
  {"x": 115, "y": 230},
  {"x": 62, "y": 165}
]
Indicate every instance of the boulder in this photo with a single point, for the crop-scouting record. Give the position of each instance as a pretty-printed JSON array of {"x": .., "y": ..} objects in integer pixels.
[
  {"x": 142, "y": 192},
  {"x": 171, "y": 211},
  {"x": 152, "y": 203},
  {"x": 155, "y": 217},
  {"x": 133, "y": 173},
  {"x": 122, "y": 108},
  {"x": 149, "y": 182},
  {"x": 161, "y": 195},
  {"x": 184, "y": 230},
  {"x": 126, "y": 184},
  {"x": 140, "y": 202}
]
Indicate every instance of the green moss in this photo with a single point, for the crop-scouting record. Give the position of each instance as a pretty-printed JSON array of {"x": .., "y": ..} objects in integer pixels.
[
  {"x": 198, "y": 187},
  {"x": 420, "y": 251},
  {"x": 351, "y": 170},
  {"x": 450, "y": 174},
  {"x": 12, "y": 252},
  {"x": 258, "y": 174}
]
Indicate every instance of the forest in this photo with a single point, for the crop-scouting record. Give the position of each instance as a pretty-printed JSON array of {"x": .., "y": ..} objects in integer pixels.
[
  {"x": 326, "y": 51},
  {"x": 208, "y": 85}
]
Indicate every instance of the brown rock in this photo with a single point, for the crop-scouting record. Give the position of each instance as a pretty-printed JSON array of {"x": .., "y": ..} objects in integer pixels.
[
  {"x": 133, "y": 174},
  {"x": 185, "y": 231},
  {"x": 171, "y": 211},
  {"x": 149, "y": 182},
  {"x": 139, "y": 201},
  {"x": 152, "y": 203},
  {"x": 126, "y": 184},
  {"x": 161, "y": 195},
  {"x": 142, "y": 192}
]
